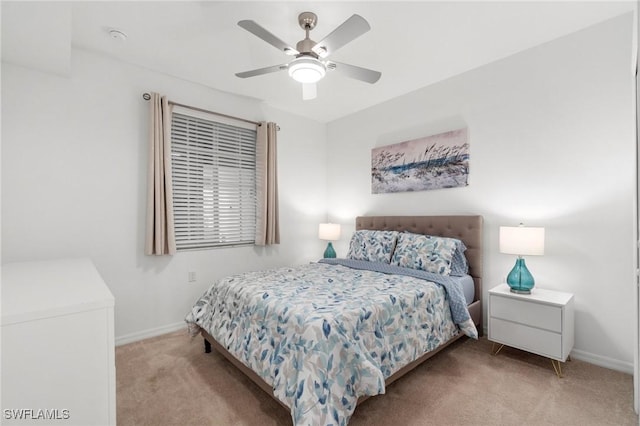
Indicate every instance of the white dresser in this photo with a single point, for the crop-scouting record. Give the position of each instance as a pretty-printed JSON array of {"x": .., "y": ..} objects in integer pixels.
[
  {"x": 58, "y": 357},
  {"x": 541, "y": 322}
]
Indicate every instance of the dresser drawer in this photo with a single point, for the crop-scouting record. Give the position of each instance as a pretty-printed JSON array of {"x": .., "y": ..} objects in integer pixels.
[
  {"x": 536, "y": 315},
  {"x": 535, "y": 340}
]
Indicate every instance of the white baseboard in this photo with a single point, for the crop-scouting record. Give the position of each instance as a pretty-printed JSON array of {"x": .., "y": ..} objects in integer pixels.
[
  {"x": 151, "y": 332},
  {"x": 599, "y": 360},
  {"x": 602, "y": 361}
]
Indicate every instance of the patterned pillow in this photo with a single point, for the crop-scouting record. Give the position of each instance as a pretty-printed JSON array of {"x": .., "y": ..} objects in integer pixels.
[
  {"x": 424, "y": 252},
  {"x": 374, "y": 246},
  {"x": 459, "y": 264}
]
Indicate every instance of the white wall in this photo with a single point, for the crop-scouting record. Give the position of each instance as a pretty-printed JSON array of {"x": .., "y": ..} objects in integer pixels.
[
  {"x": 551, "y": 144},
  {"x": 74, "y": 182}
]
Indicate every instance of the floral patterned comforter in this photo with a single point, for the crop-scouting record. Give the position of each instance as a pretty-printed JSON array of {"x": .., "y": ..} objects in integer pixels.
[{"x": 325, "y": 334}]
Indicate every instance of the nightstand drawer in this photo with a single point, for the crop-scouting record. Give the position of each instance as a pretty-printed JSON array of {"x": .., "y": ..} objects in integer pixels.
[
  {"x": 530, "y": 339},
  {"x": 538, "y": 315}
]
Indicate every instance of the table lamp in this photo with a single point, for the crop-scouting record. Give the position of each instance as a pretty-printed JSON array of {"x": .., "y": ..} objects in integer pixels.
[
  {"x": 521, "y": 241},
  {"x": 329, "y": 232}
]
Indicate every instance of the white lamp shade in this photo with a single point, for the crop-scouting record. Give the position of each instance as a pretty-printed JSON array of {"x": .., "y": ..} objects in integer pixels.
[
  {"x": 329, "y": 231},
  {"x": 522, "y": 240}
]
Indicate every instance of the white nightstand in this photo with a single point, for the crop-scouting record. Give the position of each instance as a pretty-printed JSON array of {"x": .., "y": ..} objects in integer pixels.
[{"x": 541, "y": 322}]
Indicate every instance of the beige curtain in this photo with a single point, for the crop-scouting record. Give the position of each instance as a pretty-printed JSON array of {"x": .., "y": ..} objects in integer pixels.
[
  {"x": 160, "y": 236},
  {"x": 267, "y": 221}
]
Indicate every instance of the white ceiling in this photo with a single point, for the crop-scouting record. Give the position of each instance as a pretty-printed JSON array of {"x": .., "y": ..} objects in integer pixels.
[{"x": 413, "y": 44}]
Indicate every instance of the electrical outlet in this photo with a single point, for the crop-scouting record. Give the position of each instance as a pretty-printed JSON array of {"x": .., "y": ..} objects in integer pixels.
[{"x": 192, "y": 277}]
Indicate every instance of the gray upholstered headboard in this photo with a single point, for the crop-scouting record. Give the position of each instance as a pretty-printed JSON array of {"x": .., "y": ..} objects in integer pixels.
[{"x": 466, "y": 228}]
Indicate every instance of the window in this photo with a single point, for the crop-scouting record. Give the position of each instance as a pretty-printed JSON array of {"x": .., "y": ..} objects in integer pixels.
[{"x": 213, "y": 162}]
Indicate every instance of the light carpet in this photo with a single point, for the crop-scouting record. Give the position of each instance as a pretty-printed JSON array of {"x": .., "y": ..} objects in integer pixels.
[{"x": 169, "y": 380}]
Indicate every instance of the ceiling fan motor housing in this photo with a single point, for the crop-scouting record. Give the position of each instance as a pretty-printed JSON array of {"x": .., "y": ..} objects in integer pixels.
[{"x": 305, "y": 47}]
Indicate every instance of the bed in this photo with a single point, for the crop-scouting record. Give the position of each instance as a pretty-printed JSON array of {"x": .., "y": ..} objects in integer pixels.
[{"x": 322, "y": 337}]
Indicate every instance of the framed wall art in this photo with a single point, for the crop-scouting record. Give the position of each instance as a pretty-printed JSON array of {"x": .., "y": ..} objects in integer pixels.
[{"x": 432, "y": 162}]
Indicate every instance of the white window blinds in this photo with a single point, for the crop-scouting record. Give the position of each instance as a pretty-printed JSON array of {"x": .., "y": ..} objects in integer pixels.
[{"x": 214, "y": 180}]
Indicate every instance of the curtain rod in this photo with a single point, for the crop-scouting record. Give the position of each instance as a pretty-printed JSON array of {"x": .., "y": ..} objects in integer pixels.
[{"x": 147, "y": 96}]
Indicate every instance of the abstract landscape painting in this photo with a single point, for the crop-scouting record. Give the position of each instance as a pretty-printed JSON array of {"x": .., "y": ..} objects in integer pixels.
[{"x": 432, "y": 162}]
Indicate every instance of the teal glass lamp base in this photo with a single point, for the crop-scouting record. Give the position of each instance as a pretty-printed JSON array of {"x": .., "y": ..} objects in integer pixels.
[
  {"x": 520, "y": 279},
  {"x": 329, "y": 253}
]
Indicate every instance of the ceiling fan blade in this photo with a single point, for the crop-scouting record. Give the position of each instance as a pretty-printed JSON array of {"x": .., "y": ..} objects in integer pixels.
[
  {"x": 265, "y": 35},
  {"x": 348, "y": 31},
  {"x": 359, "y": 73},
  {"x": 309, "y": 91},
  {"x": 260, "y": 71}
]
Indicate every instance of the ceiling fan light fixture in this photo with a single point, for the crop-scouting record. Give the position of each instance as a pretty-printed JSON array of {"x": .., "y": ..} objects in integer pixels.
[{"x": 307, "y": 70}]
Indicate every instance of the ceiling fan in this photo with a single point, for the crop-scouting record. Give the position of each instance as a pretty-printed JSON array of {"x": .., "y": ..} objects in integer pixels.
[{"x": 310, "y": 64}]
